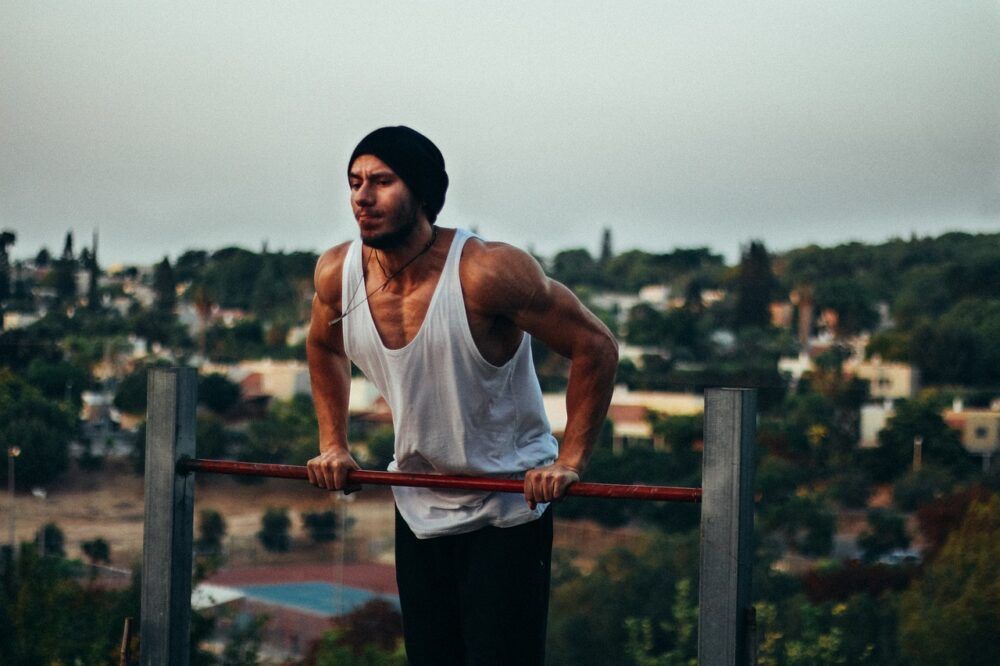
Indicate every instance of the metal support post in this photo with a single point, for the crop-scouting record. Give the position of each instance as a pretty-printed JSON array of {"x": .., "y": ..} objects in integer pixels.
[
  {"x": 725, "y": 609},
  {"x": 168, "y": 538}
]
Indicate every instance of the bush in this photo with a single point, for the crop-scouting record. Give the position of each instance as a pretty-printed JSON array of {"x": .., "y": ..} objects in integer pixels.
[
  {"x": 52, "y": 539},
  {"x": 211, "y": 530},
  {"x": 917, "y": 488},
  {"x": 322, "y": 525},
  {"x": 852, "y": 489},
  {"x": 96, "y": 550},
  {"x": 274, "y": 530},
  {"x": 886, "y": 532}
]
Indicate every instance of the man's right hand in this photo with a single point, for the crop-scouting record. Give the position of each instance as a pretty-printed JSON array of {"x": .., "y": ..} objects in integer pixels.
[{"x": 329, "y": 470}]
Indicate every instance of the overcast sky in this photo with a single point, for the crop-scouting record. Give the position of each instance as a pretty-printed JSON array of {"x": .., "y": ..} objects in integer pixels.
[{"x": 170, "y": 126}]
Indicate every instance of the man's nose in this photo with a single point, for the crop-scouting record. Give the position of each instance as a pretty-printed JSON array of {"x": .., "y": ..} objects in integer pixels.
[{"x": 363, "y": 196}]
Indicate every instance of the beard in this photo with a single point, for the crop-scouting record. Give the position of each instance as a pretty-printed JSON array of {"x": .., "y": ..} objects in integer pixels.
[{"x": 390, "y": 240}]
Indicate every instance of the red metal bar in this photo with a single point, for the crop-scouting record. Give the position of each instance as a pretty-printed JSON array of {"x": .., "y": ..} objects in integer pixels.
[{"x": 579, "y": 489}]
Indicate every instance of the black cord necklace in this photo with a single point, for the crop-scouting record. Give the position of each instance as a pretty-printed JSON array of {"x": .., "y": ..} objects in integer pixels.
[{"x": 350, "y": 305}]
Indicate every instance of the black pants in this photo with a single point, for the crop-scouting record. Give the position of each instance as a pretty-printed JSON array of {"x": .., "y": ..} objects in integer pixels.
[{"x": 476, "y": 598}]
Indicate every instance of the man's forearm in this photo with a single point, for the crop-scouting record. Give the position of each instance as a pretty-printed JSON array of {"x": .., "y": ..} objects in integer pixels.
[
  {"x": 330, "y": 377},
  {"x": 588, "y": 395}
]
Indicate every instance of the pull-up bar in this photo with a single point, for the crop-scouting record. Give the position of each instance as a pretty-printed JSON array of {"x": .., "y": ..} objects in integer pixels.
[
  {"x": 725, "y": 614},
  {"x": 359, "y": 477}
]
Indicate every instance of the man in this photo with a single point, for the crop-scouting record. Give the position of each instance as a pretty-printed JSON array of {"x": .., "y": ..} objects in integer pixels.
[{"x": 440, "y": 321}]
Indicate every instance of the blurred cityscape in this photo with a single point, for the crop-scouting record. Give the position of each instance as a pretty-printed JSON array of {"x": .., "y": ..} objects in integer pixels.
[{"x": 877, "y": 537}]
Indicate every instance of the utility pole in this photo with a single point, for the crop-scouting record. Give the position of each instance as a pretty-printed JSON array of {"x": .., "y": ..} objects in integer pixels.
[{"x": 12, "y": 453}]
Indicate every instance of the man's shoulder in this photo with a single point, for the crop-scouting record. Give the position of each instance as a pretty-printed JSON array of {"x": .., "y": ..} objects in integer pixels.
[
  {"x": 329, "y": 268},
  {"x": 492, "y": 258},
  {"x": 497, "y": 276}
]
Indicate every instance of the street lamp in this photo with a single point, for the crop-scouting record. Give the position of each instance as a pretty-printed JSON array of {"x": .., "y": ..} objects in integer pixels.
[{"x": 12, "y": 452}]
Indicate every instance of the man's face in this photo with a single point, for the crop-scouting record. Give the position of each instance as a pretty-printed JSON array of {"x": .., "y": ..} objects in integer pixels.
[{"x": 385, "y": 208}]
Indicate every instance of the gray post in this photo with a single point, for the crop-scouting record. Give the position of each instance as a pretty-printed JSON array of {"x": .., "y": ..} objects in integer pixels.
[
  {"x": 725, "y": 610},
  {"x": 167, "y": 539}
]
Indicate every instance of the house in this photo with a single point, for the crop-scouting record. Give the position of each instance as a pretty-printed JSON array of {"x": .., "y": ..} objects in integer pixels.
[
  {"x": 874, "y": 418},
  {"x": 886, "y": 379},
  {"x": 630, "y": 413},
  {"x": 979, "y": 428}
]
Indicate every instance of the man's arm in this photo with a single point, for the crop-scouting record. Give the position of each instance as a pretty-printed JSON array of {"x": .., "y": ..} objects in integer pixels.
[
  {"x": 330, "y": 375},
  {"x": 511, "y": 284}
]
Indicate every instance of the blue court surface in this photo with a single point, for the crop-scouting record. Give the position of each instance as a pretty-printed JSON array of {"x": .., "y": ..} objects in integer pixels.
[{"x": 315, "y": 596}]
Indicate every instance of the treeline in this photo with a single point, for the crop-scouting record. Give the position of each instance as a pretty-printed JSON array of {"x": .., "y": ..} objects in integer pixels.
[{"x": 943, "y": 295}]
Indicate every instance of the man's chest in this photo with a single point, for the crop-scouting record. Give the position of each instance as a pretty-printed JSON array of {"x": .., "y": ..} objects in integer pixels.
[{"x": 399, "y": 315}]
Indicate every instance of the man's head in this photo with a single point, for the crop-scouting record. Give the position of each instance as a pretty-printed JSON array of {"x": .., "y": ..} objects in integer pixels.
[{"x": 411, "y": 158}]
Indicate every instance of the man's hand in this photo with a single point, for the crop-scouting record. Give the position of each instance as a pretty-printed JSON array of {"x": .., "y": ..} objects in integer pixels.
[
  {"x": 549, "y": 483},
  {"x": 329, "y": 470}
]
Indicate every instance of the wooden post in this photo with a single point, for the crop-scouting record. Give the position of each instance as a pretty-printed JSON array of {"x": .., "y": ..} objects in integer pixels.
[
  {"x": 167, "y": 540},
  {"x": 725, "y": 610}
]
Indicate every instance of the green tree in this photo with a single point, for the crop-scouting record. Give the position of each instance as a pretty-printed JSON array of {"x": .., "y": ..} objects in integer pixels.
[
  {"x": 381, "y": 447},
  {"x": 130, "y": 397},
  {"x": 755, "y": 284},
  {"x": 951, "y": 614},
  {"x": 47, "y": 616},
  {"x": 165, "y": 286},
  {"x": 576, "y": 268},
  {"x": 273, "y": 532},
  {"x": 65, "y": 273},
  {"x": 216, "y": 392},
  {"x": 97, "y": 550},
  {"x": 52, "y": 539},
  {"x": 321, "y": 525},
  {"x": 920, "y": 417},
  {"x": 287, "y": 433},
  {"x": 58, "y": 380},
  {"x": 41, "y": 428},
  {"x": 885, "y": 532},
  {"x": 211, "y": 531},
  {"x": 7, "y": 238}
]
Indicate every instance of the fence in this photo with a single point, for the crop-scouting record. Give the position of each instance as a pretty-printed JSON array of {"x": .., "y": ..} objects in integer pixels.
[{"x": 726, "y": 623}]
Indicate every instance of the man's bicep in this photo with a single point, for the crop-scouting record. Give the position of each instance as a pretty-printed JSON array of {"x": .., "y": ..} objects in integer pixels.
[
  {"x": 557, "y": 317},
  {"x": 324, "y": 329}
]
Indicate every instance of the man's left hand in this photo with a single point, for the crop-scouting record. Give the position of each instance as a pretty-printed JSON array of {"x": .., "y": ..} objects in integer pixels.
[{"x": 545, "y": 484}]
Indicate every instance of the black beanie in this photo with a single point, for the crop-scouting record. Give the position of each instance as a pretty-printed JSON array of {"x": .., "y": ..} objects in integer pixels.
[{"x": 414, "y": 158}]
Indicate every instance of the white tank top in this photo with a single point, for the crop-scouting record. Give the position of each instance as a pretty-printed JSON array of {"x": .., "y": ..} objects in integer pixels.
[{"x": 453, "y": 411}]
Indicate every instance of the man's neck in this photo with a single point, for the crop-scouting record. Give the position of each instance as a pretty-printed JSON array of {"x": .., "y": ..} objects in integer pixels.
[{"x": 391, "y": 261}]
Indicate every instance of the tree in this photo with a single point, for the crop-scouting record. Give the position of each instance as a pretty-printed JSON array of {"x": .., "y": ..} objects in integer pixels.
[
  {"x": 43, "y": 258},
  {"x": 58, "y": 381},
  {"x": 211, "y": 531},
  {"x": 885, "y": 532},
  {"x": 381, "y": 447},
  {"x": 131, "y": 394},
  {"x": 755, "y": 284},
  {"x": 164, "y": 286},
  {"x": 97, "y": 550},
  {"x": 65, "y": 273},
  {"x": 216, "y": 392},
  {"x": 951, "y": 614},
  {"x": 94, "y": 271},
  {"x": 322, "y": 525},
  {"x": 7, "y": 238},
  {"x": 52, "y": 539},
  {"x": 47, "y": 616},
  {"x": 920, "y": 417},
  {"x": 42, "y": 429},
  {"x": 606, "y": 253},
  {"x": 575, "y": 268},
  {"x": 273, "y": 532}
]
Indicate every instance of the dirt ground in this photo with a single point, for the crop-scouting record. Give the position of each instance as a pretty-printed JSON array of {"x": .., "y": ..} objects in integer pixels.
[{"x": 109, "y": 504}]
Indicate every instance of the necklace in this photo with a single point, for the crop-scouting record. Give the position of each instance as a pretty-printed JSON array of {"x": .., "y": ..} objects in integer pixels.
[{"x": 350, "y": 305}]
